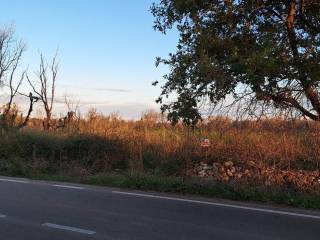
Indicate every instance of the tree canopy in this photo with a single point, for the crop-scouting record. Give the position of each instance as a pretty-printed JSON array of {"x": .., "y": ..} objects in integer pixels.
[{"x": 262, "y": 52}]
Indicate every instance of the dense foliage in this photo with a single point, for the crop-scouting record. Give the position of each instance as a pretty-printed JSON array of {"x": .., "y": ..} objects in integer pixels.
[{"x": 262, "y": 53}]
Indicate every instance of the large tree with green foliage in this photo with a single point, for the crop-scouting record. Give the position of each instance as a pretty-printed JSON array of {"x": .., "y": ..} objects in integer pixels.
[{"x": 262, "y": 52}]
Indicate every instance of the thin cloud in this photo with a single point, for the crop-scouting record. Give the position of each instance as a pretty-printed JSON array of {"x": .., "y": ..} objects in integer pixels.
[
  {"x": 111, "y": 89},
  {"x": 121, "y": 90},
  {"x": 22, "y": 100},
  {"x": 61, "y": 100}
]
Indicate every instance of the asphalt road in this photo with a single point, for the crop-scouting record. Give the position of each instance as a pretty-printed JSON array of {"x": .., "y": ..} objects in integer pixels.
[{"x": 57, "y": 211}]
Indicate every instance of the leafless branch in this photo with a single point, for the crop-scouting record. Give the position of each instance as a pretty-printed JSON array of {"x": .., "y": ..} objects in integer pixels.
[{"x": 46, "y": 93}]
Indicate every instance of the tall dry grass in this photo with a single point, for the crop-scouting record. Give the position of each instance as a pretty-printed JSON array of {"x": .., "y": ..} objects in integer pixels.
[
  {"x": 151, "y": 141},
  {"x": 267, "y": 152}
]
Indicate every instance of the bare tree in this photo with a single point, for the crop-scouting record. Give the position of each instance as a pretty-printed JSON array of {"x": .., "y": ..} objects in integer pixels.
[
  {"x": 71, "y": 104},
  {"x": 11, "y": 51},
  {"x": 46, "y": 77},
  {"x": 72, "y": 107},
  {"x": 33, "y": 100}
]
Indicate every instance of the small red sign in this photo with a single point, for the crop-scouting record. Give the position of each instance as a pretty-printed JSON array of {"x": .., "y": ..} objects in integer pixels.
[{"x": 205, "y": 142}]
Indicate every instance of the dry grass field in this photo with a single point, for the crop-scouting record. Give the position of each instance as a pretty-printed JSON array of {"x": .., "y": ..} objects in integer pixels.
[{"x": 272, "y": 153}]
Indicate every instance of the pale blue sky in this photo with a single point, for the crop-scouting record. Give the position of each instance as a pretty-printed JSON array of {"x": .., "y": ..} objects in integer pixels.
[{"x": 103, "y": 44}]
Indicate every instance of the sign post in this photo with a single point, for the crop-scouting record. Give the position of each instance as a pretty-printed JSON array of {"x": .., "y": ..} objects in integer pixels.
[{"x": 205, "y": 143}]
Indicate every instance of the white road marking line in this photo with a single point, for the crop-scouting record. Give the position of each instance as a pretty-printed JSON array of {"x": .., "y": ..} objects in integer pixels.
[
  {"x": 12, "y": 180},
  {"x": 3, "y": 216},
  {"x": 73, "y": 229},
  {"x": 67, "y": 186},
  {"x": 264, "y": 210}
]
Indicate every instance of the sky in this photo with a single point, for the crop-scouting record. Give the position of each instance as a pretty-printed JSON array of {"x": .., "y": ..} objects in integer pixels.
[{"x": 106, "y": 50}]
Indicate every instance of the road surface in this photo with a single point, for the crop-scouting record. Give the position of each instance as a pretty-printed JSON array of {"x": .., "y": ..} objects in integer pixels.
[{"x": 57, "y": 211}]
